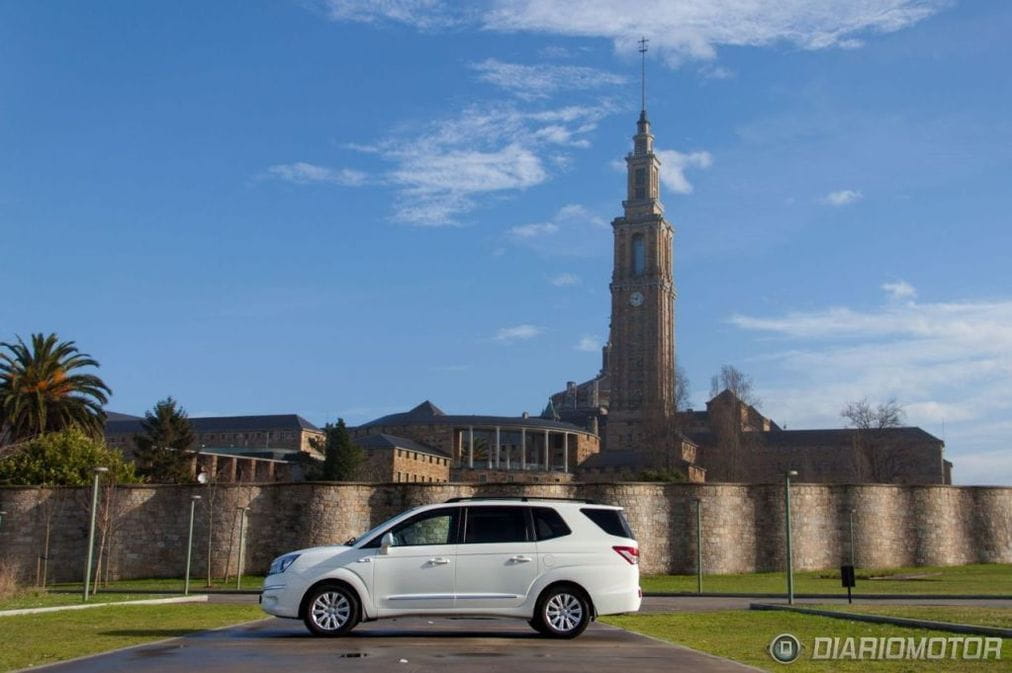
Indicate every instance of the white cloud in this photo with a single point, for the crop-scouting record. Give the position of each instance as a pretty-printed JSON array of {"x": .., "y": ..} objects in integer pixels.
[
  {"x": 843, "y": 197},
  {"x": 900, "y": 290},
  {"x": 674, "y": 164},
  {"x": 493, "y": 148},
  {"x": 588, "y": 344},
  {"x": 572, "y": 231},
  {"x": 565, "y": 280},
  {"x": 678, "y": 31},
  {"x": 541, "y": 81},
  {"x": 534, "y": 230},
  {"x": 525, "y": 332},
  {"x": 945, "y": 362},
  {"x": 305, "y": 173}
]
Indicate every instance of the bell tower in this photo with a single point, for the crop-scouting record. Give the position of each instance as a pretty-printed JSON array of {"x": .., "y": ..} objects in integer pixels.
[{"x": 641, "y": 362}]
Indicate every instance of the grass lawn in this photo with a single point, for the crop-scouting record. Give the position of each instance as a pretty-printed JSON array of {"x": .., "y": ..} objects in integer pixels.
[
  {"x": 29, "y": 640},
  {"x": 745, "y": 635},
  {"x": 957, "y": 614},
  {"x": 991, "y": 579},
  {"x": 42, "y": 599},
  {"x": 197, "y": 584}
]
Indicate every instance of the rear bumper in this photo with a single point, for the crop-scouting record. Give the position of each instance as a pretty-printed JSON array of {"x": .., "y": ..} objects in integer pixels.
[{"x": 617, "y": 602}]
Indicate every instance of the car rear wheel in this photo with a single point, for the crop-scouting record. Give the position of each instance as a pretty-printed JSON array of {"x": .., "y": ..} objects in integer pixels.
[
  {"x": 563, "y": 612},
  {"x": 331, "y": 611}
]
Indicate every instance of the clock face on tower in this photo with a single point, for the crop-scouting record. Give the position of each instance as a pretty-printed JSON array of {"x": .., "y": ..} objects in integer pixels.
[{"x": 636, "y": 299}]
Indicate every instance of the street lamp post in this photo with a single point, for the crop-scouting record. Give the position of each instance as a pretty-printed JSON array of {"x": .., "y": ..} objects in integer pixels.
[
  {"x": 189, "y": 545},
  {"x": 242, "y": 546},
  {"x": 852, "y": 537},
  {"x": 699, "y": 545},
  {"x": 3, "y": 513},
  {"x": 790, "y": 555},
  {"x": 99, "y": 471}
]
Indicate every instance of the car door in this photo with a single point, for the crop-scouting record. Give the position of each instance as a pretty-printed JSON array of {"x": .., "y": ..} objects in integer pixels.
[
  {"x": 416, "y": 572},
  {"x": 496, "y": 558}
]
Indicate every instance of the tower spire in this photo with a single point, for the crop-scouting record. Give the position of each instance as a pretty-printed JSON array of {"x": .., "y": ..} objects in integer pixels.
[{"x": 643, "y": 74}]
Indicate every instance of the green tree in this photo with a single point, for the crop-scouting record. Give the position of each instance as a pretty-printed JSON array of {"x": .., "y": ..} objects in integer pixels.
[
  {"x": 65, "y": 458},
  {"x": 163, "y": 446},
  {"x": 342, "y": 457},
  {"x": 43, "y": 390}
]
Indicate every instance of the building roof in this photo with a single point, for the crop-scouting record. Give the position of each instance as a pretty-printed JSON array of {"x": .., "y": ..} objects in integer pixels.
[
  {"x": 427, "y": 413},
  {"x": 116, "y": 416},
  {"x": 384, "y": 441},
  {"x": 836, "y": 437},
  {"x": 269, "y": 423},
  {"x": 614, "y": 460}
]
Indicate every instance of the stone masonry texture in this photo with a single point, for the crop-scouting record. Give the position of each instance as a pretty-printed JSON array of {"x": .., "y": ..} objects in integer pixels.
[{"x": 743, "y": 525}]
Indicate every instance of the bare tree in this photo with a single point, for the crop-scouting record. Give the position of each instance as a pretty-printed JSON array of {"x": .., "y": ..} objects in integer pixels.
[
  {"x": 862, "y": 416},
  {"x": 738, "y": 382},
  {"x": 875, "y": 457},
  {"x": 681, "y": 389}
]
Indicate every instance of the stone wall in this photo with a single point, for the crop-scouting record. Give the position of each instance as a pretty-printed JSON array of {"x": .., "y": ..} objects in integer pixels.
[{"x": 743, "y": 525}]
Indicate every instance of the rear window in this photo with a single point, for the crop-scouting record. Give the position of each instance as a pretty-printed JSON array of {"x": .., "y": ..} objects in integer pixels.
[
  {"x": 548, "y": 524},
  {"x": 611, "y": 521}
]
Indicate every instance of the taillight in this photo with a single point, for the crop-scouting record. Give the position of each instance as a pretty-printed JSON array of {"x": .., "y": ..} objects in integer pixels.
[{"x": 630, "y": 554}]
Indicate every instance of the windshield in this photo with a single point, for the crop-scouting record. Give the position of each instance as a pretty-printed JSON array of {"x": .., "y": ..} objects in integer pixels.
[{"x": 375, "y": 529}]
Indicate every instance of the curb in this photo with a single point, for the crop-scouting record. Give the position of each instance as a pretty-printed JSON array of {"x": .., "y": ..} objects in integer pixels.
[
  {"x": 226, "y": 592},
  {"x": 890, "y": 597},
  {"x": 886, "y": 619},
  {"x": 200, "y": 598}
]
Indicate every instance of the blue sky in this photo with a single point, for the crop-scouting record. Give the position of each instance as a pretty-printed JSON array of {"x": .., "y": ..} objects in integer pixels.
[{"x": 344, "y": 208}]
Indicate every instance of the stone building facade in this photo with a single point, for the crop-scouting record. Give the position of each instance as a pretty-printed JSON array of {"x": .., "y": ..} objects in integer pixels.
[
  {"x": 397, "y": 459},
  {"x": 521, "y": 448},
  {"x": 743, "y": 525},
  {"x": 274, "y": 432}
]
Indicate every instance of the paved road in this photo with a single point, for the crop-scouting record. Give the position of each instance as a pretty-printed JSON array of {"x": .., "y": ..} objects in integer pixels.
[{"x": 408, "y": 645}]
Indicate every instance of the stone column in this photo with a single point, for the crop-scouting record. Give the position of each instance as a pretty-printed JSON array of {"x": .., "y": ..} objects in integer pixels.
[
  {"x": 523, "y": 449},
  {"x": 548, "y": 463},
  {"x": 565, "y": 454},
  {"x": 470, "y": 449},
  {"x": 498, "y": 447}
]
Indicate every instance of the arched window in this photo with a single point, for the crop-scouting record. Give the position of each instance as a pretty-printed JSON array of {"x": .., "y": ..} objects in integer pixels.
[
  {"x": 640, "y": 178},
  {"x": 639, "y": 255}
]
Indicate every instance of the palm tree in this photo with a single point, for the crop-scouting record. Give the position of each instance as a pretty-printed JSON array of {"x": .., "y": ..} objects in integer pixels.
[{"x": 42, "y": 389}]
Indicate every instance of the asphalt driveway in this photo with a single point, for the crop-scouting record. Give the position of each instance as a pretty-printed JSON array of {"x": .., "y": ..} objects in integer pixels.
[{"x": 408, "y": 645}]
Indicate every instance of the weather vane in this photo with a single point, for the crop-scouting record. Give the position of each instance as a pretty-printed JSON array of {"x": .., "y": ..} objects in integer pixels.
[{"x": 643, "y": 72}]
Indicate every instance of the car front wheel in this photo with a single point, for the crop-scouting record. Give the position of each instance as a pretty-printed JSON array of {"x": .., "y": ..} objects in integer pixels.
[
  {"x": 331, "y": 611},
  {"x": 563, "y": 612}
]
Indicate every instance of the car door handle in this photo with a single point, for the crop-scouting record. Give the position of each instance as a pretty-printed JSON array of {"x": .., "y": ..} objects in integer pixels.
[
  {"x": 365, "y": 559},
  {"x": 521, "y": 559},
  {"x": 439, "y": 561}
]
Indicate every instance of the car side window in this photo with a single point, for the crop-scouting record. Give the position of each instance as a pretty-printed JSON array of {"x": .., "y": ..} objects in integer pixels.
[
  {"x": 438, "y": 526},
  {"x": 548, "y": 524},
  {"x": 488, "y": 525}
]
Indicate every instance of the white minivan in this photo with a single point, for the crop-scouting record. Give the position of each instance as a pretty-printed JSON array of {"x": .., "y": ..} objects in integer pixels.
[{"x": 556, "y": 563}]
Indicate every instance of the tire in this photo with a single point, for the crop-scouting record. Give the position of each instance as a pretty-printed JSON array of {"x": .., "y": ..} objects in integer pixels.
[
  {"x": 537, "y": 626},
  {"x": 331, "y": 610},
  {"x": 563, "y": 612}
]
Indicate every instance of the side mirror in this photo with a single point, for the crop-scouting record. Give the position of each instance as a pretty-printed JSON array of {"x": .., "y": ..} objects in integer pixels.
[{"x": 386, "y": 542}]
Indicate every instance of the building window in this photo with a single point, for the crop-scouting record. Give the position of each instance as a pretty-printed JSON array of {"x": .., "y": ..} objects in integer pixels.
[
  {"x": 639, "y": 255},
  {"x": 640, "y": 183}
]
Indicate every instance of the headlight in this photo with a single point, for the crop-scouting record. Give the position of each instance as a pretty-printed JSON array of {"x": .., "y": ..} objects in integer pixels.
[{"x": 281, "y": 564}]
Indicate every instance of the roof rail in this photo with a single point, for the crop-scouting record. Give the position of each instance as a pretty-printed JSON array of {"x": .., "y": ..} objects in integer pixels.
[{"x": 521, "y": 498}]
